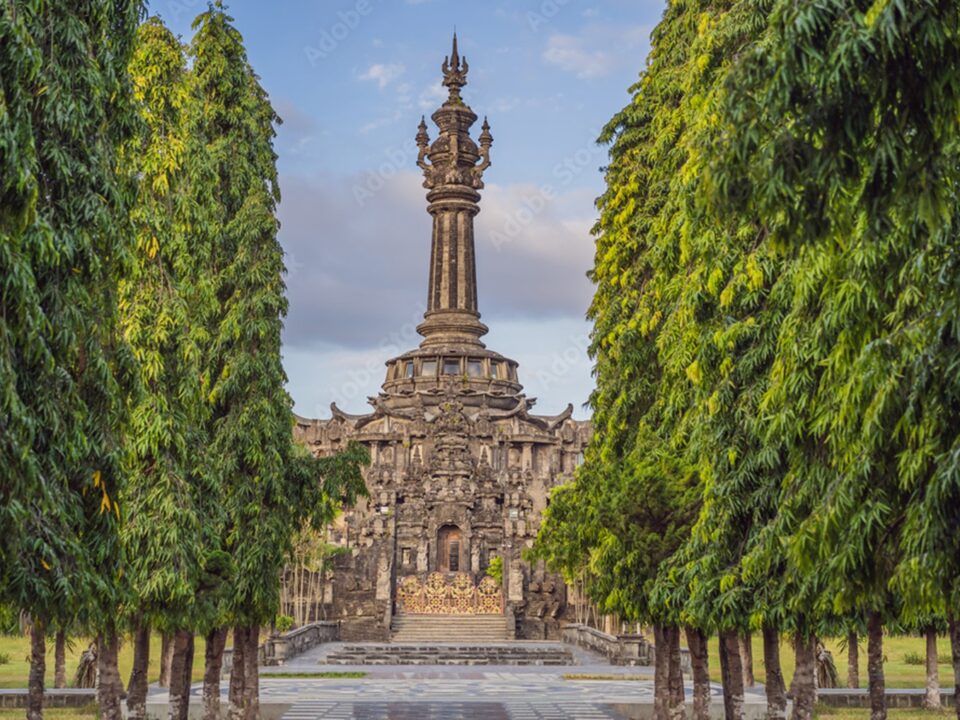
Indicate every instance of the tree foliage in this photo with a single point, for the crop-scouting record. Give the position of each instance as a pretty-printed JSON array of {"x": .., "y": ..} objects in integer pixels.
[
  {"x": 166, "y": 304},
  {"x": 67, "y": 109},
  {"x": 775, "y": 323}
]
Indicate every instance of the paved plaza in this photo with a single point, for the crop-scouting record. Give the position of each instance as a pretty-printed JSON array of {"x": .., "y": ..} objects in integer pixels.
[{"x": 449, "y": 692}]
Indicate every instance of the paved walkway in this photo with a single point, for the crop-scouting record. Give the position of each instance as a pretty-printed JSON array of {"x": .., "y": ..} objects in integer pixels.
[{"x": 449, "y": 692}]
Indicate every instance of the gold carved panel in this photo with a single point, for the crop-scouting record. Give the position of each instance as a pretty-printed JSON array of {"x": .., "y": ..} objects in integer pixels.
[{"x": 458, "y": 596}]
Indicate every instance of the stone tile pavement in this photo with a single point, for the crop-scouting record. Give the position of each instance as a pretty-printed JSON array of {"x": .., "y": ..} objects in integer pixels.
[{"x": 435, "y": 692}]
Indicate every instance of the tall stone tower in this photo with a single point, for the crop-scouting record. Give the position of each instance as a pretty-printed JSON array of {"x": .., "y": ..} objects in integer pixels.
[{"x": 461, "y": 469}]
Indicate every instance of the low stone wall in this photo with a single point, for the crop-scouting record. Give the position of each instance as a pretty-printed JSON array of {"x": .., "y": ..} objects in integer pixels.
[
  {"x": 618, "y": 649},
  {"x": 896, "y": 698},
  {"x": 278, "y": 649},
  {"x": 65, "y": 698}
]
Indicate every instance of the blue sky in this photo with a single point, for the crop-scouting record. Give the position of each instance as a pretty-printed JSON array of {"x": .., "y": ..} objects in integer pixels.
[{"x": 351, "y": 80}]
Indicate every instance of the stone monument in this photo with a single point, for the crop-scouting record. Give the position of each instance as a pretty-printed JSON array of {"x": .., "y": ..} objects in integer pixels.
[{"x": 461, "y": 468}]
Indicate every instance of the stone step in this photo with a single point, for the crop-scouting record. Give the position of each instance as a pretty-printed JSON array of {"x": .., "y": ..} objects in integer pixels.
[
  {"x": 470, "y": 628},
  {"x": 426, "y": 654}
]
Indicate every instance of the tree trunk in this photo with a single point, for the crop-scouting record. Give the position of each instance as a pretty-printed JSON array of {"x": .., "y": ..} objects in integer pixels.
[
  {"x": 878, "y": 700},
  {"x": 677, "y": 706},
  {"x": 213, "y": 663},
  {"x": 803, "y": 687},
  {"x": 137, "y": 687},
  {"x": 237, "y": 674},
  {"x": 746, "y": 658},
  {"x": 166, "y": 659},
  {"x": 188, "y": 676},
  {"x": 775, "y": 688},
  {"x": 181, "y": 670},
  {"x": 731, "y": 675},
  {"x": 954, "y": 622},
  {"x": 60, "y": 661},
  {"x": 661, "y": 674},
  {"x": 853, "y": 660},
  {"x": 38, "y": 668},
  {"x": 931, "y": 700},
  {"x": 251, "y": 683},
  {"x": 700, "y": 670},
  {"x": 109, "y": 684}
]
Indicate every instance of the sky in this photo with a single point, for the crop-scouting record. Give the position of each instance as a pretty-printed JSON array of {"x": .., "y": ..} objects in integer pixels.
[{"x": 351, "y": 79}]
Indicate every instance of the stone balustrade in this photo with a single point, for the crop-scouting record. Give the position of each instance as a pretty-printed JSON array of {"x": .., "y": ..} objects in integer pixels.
[
  {"x": 276, "y": 650},
  {"x": 629, "y": 649}
]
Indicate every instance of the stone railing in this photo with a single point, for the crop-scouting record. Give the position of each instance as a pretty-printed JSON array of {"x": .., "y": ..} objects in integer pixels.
[
  {"x": 278, "y": 649},
  {"x": 618, "y": 649}
]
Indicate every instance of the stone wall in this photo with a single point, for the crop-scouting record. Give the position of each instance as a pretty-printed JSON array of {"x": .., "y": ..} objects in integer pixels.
[
  {"x": 896, "y": 697},
  {"x": 64, "y": 698}
]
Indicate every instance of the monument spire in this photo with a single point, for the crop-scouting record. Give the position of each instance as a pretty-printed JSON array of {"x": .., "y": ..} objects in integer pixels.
[{"x": 453, "y": 167}]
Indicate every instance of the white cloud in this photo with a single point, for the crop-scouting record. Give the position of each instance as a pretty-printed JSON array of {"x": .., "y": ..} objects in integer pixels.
[
  {"x": 383, "y": 74},
  {"x": 432, "y": 97},
  {"x": 596, "y": 49},
  {"x": 568, "y": 53},
  {"x": 504, "y": 104},
  {"x": 382, "y": 121}
]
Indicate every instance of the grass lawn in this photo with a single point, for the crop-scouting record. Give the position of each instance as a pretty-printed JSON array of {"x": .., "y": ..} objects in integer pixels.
[
  {"x": 13, "y": 674},
  {"x": 898, "y": 673}
]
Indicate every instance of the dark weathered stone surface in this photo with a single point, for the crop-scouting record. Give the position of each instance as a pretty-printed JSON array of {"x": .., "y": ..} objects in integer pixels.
[{"x": 452, "y": 438}]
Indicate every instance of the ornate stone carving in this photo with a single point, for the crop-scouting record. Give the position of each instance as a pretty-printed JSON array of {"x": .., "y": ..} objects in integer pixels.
[{"x": 459, "y": 596}]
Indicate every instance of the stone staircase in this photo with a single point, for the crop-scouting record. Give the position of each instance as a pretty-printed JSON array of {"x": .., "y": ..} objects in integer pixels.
[
  {"x": 450, "y": 628},
  {"x": 516, "y": 653}
]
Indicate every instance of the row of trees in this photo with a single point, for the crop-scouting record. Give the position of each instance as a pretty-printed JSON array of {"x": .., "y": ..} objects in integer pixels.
[
  {"x": 149, "y": 475},
  {"x": 777, "y": 341}
]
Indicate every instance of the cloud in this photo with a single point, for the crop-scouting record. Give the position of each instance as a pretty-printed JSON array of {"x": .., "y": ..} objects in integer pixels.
[
  {"x": 432, "y": 97},
  {"x": 383, "y": 74},
  {"x": 382, "y": 121},
  {"x": 596, "y": 50},
  {"x": 359, "y": 273},
  {"x": 504, "y": 104}
]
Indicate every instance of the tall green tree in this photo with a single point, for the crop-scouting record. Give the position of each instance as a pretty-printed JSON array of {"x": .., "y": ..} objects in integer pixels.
[
  {"x": 852, "y": 147},
  {"x": 167, "y": 302},
  {"x": 267, "y": 484},
  {"x": 773, "y": 245},
  {"x": 67, "y": 109},
  {"x": 640, "y": 488}
]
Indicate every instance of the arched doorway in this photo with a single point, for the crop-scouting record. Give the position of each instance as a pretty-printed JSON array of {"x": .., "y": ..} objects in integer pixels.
[{"x": 449, "y": 549}]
